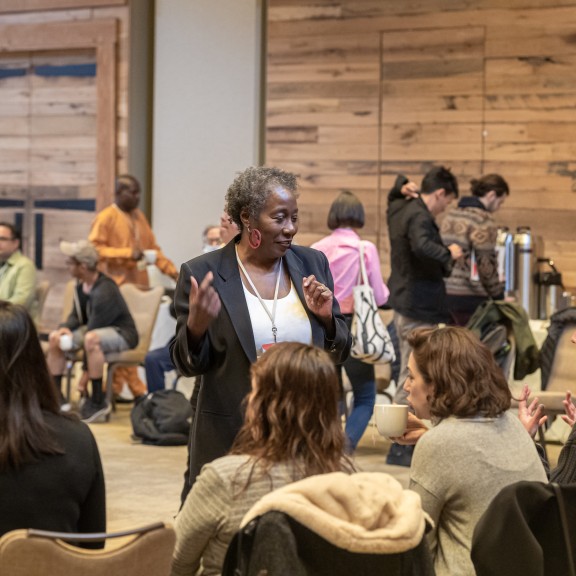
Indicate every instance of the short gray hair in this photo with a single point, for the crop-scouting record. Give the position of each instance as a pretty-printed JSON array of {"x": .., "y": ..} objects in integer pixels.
[{"x": 251, "y": 188}]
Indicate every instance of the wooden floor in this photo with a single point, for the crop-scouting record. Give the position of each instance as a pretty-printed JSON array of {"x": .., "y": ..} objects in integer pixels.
[{"x": 143, "y": 483}]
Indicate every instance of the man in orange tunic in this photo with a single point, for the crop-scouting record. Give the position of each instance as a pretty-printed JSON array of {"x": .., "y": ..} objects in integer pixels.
[{"x": 121, "y": 233}]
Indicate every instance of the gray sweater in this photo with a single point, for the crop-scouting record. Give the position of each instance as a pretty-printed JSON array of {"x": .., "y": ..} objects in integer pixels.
[
  {"x": 457, "y": 468},
  {"x": 214, "y": 509}
]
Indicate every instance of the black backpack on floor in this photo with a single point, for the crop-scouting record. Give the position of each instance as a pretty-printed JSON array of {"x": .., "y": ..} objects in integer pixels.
[{"x": 162, "y": 418}]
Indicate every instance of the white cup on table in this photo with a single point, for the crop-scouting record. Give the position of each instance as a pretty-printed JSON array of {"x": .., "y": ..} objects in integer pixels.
[{"x": 391, "y": 419}]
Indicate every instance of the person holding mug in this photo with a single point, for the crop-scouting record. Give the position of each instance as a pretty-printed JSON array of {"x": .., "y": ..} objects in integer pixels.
[{"x": 475, "y": 447}]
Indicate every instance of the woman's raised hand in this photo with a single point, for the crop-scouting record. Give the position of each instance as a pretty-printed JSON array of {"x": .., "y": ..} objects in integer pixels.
[
  {"x": 204, "y": 306},
  {"x": 570, "y": 409},
  {"x": 531, "y": 415},
  {"x": 410, "y": 190},
  {"x": 318, "y": 298}
]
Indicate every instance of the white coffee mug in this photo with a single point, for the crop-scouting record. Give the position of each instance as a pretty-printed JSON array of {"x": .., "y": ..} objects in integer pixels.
[
  {"x": 391, "y": 419},
  {"x": 65, "y": 342},
  {"x": 150, "y": 256}
]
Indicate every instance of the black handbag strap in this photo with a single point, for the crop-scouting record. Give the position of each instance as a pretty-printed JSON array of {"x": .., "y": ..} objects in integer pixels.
[{"x": 564, "y": 524}]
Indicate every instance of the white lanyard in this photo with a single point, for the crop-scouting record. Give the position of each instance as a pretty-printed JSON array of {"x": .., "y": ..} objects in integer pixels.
[{"x": 271, "y": 315}]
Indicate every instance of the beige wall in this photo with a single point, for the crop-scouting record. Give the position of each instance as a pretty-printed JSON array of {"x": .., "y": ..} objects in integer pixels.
[{"x": 206, "y": 105}]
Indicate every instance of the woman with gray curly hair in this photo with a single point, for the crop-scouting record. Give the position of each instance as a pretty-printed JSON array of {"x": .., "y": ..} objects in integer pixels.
[{"x": 235, "y": 303}]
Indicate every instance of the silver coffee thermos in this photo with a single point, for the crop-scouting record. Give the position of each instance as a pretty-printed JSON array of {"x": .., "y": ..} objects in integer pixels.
[
  {"x": 527, "y": 248},
  {"x": 506, "y": 260}
]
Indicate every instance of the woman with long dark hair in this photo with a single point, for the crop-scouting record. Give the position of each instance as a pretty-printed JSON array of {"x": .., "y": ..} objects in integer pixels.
[
  {"x": 50, "y": 472},
  {"x": 292, "y": 430}
]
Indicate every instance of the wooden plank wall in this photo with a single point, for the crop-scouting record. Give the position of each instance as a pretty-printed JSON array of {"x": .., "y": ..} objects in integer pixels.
[
  {"x": 48, "y": 132},
  {"x": 100, "y": 10},
  {"x": 359, "y": 90}
]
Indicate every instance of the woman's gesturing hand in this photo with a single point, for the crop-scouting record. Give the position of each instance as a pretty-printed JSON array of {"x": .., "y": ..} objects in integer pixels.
[
  {"x": 204, "y": 305},
  {"x": 570, "y": 409},
  {"x": 318, "y": 298},
  {"x": 531, "y": 415}
]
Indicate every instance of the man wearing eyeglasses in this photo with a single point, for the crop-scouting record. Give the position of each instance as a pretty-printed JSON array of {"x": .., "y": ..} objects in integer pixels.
[{"x": 17, "y": 272}]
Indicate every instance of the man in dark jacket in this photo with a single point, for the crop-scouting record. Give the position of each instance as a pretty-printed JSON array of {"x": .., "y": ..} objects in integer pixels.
[
  {"x": 99, "y": 322},
  {"x": 420, "y": 261}
]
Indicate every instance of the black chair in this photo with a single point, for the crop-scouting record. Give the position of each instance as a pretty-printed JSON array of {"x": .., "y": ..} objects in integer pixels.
[
  {"x": 277, "y": 545},
  {"x": 529, "y": 529}
]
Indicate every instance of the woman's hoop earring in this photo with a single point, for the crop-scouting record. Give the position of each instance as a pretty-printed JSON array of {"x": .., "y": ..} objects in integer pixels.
[{"x": 254, "y": 238}]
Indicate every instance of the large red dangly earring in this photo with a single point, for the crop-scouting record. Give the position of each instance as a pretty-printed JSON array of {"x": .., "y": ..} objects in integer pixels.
[{"x": 254, "y": 238}]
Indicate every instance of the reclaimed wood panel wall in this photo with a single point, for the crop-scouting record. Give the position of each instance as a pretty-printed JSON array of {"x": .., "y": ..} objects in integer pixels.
[
  {"x": 50, "y": 138},
  {"x": 359, "y": 90}
]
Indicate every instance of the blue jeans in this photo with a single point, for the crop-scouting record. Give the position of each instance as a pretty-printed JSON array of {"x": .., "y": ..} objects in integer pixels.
[
  {"x": 363, "y": 381},
  {"x": 156, "y": 364}
]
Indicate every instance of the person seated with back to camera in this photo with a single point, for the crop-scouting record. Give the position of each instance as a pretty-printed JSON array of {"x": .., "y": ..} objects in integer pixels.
[
  {"x": 99, "y": 322},
  {"x": 50, "y": 471},
  {"x": 292, "y": 430},
  {"x": 475, "y": 447}
]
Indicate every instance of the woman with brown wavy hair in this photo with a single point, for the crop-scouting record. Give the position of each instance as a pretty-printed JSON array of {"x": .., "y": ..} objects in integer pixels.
[
  {"x": 475, "y": 446},
  {"x": 292, "y": 430}
]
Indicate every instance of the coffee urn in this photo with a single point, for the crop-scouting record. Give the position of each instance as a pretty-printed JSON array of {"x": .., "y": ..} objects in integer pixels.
[
  {"x": 552, "y": 296},
  {"x": 527, "y": 248},
  {"x": 506, "y": 260}
]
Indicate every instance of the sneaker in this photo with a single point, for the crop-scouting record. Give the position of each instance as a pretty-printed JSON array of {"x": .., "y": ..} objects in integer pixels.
[
  {"x": 400, "y": 455},
  {"x": 92, "y": 412}
]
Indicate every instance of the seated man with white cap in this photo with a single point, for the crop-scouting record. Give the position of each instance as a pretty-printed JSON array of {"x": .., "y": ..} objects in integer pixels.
[{"x": 99, "y": 322}]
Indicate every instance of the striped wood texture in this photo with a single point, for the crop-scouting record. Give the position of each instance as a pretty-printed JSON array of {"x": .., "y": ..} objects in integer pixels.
[
  {"x": 359, "y": 90},
  {"x": 49, "y": 129}
]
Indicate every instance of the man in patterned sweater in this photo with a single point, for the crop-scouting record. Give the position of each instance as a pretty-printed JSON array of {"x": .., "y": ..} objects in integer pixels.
[{"x": 474, "y": 278}]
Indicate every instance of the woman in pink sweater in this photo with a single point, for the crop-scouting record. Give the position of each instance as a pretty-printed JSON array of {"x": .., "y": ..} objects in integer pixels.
[{"x": 342, "y": 248}]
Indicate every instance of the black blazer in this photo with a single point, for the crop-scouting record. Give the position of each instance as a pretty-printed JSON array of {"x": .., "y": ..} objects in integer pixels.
[{"x": 224, "y": 355}]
